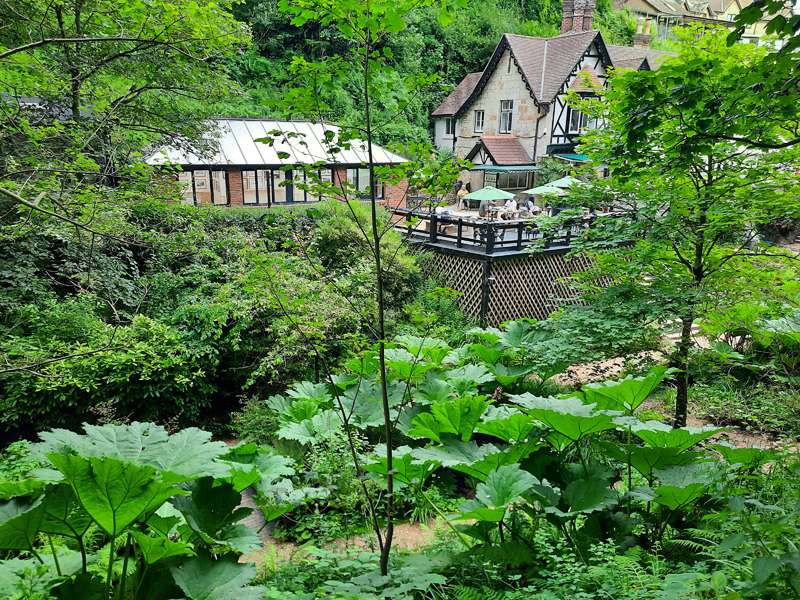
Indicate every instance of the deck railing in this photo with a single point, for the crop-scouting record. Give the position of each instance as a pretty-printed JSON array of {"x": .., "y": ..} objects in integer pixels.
[{"x": 488, "y": 236}]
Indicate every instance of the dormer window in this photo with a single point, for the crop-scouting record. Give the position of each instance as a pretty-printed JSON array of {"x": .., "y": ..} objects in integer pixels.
[{"x": 506, "y": 110}]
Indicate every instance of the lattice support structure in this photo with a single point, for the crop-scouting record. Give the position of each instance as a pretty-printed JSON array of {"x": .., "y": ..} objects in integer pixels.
[{"x": 501, "y": 289}]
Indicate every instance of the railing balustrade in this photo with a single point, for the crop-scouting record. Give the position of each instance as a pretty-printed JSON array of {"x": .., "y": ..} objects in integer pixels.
[{"x": 487, "y": 236}]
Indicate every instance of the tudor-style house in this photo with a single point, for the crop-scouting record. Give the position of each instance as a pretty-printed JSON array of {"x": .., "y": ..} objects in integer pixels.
[{"x": 512, "y": 114}]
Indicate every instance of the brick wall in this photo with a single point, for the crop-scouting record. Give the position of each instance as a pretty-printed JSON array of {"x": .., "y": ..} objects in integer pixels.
[
  {"x": 397, "y": 195},
  {"x": 236, "y": 192}
]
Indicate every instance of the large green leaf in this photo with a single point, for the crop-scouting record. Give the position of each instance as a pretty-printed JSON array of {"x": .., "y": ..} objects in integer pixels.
[
  {"x": 486, "y": 355},
  {"x": 626, "y": 394},
  {"x": 510, "y": 455},
  {"x": 431, "y": 349},
  {"x": 406, "y": 469},
  {"x": 750, "y": 457},
  {"x": 20, "y": 519},
  {"x": 154, "y": 549},
  {"x": 683, "y": 438},
  {"x": 306, "y": 390},
  {"x": 489, "y": 335},
  {"x": 69, "y": 562},
  {"x": 362, "y": 405},
  {"x": 454, "y": 453},
  {"x": 189, "y": 452},
  {"x": 513, "y": 429},
  {"x": 405, "y": 365},
  {"x": 63, "y": 513},
  {"x": 588, "y": 495},
  {"x": 425, "y": 425},
  {"x": 433, "y": 391},
  {"x": 645, "y": 459},
  {"x": 114, "y": 493},
  {"x": 475, "y": 509},
  {"x": 568, "y": 417},
  {"x": 320, "y": 427},
  {"x": 461, "y": 416},
  {"x": 504, "y": 486},
  {"x": 505, "y": 376},
  {"x": 474, "y": 374},
  {"x": 225, "y": 579},
  {"x": 209, "y": 508},
  {"x": 523, "y": 334},
  {"x": 680, "y": 486}
]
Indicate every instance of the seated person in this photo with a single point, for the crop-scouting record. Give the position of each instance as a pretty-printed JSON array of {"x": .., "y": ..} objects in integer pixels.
[
  {"x": 526, "y": 207},
  {"x": 511, "y": 204},
  {"x": 441, "y": 211},
  {"x": 483, "y": 209},
  {"x": 463, "y": 204}
]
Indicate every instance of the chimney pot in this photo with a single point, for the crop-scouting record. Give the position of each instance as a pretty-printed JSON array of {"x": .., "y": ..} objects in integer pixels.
[{"x": 647, "y": 26}]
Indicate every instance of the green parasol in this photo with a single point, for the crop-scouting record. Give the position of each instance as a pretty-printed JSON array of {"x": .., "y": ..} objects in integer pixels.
[
  {"x": 489, "y": 193},
  {"x": 545, "y": 189},
  {"x": 564, "y": 182}
]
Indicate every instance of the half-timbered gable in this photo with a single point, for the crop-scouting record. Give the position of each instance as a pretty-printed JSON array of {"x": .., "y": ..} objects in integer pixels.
[{"x": 521, "y": 95}]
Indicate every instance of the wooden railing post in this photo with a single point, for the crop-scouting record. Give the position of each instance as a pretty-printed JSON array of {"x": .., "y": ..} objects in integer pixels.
[
  {"x": 458, "y": 233},
  {"x": 520, "y": 230},
  {"x": 489, "y": 238},
  {"x": 433, "y": 233}
]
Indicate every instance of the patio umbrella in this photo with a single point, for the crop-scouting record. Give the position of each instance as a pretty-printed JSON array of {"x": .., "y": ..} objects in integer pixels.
[
  {"x": 545, "y": 189},
  {"x": 489, "y": 193},
  {"x": 564, "y": 182}
]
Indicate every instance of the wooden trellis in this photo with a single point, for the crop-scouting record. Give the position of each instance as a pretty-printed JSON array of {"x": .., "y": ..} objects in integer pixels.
[{"x": 502, "y": 290}]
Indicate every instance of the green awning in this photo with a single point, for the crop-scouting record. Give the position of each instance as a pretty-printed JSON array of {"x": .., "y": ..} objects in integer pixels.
[
  {"x": 497, "y": 169},
  {"x": 575, "y": 157}
]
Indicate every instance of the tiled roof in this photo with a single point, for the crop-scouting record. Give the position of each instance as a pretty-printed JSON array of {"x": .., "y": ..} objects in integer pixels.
[
  {"x": 578, "y": 84},
  {"x": 506, "y": 150},
  {"x": 547, "y": 62},
  {"x": 622, "y": 54},
  {"x": 458, "y": 96}
]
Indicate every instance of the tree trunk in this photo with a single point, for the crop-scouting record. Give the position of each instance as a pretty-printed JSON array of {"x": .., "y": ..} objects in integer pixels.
[
  {"x": 376, "y": 241},
  {"x": 682, "y": 379}
]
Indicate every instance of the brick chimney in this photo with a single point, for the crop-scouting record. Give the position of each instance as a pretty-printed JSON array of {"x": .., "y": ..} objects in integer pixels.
[
  {"x": 567, "y": 12},
  {"x": 643, "y": 39},
  {"x": 588, "y": 15},
  {"x": 577, "y": 15}
]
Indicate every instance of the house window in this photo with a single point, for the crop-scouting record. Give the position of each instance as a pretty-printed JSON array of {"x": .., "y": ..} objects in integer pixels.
[
  {"x": 478, "y": 121},
  {"x": 360, "y": 179},
  {"x": 512, "y": 180},
  {"x": 449, "y": 126},
  {"x": 509, "y": 63},
  {"x": 731, "y": 17},
  {"x": 577, "y": 121},
  {"x": 506, "y": 107}
]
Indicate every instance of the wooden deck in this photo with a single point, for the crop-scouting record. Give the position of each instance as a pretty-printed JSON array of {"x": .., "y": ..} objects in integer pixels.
[{"x": 496, "y": 238}]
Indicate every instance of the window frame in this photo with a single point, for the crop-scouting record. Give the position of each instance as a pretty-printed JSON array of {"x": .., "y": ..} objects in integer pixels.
[
  {"x": 479, "y": 129},
  {"x": 506, "y": 116},
  {"x": 449, "y": 126},
  {"x": 361, "y": 194}
]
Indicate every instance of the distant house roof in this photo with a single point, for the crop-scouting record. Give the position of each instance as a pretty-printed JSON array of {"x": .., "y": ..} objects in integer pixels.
[
  {"x": 545, "y": 65},
  {"x": 623, "y": 57},
  {"x": 458, "y": 96},
  {"x": 503, "y": 149},
  {"x": 295, "y": 142}
]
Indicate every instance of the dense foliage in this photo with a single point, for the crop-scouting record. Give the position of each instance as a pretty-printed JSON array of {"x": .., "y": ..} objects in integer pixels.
[
  {"x": 186, "y": 305},
  {"x": 426, "y": 45}
]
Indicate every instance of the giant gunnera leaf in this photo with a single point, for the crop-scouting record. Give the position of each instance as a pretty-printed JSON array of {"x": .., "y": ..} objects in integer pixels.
[
  {"x": 504, "y": 486},
  {"x": 225, "y": 579},
  {"x": 626, "y": 394},
  {"x": 113, "y": 492},
  {"x": 189, "y": 452},
  {"x": 569, "y": 418}
]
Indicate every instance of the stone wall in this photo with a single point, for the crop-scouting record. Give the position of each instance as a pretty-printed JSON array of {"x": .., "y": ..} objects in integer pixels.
[{"x": 502, "y": 85}]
